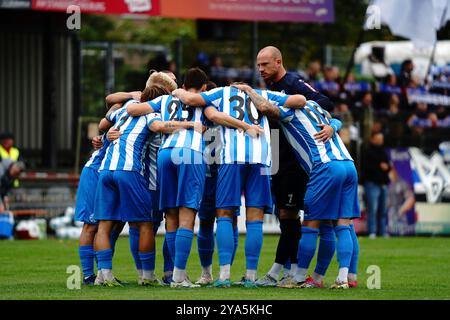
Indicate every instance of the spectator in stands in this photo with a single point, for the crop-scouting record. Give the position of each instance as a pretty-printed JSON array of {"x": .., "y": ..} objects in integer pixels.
[
  {"x": 394, "y": 121},
  {"x": 375, "y": 175},
  {"x": 421, "y": 118},
  {"x": 365, "y": 115},
  {"x": 442, "y": 117},
  {"x": 405, "y": 73},
  {"x": 331, "y": 83},
  {"x": 313, "y": 71},
  {"x": 9, "y": 172},
  {"x": 218, "y": 72},
  {"x": 9, "y": 151}
]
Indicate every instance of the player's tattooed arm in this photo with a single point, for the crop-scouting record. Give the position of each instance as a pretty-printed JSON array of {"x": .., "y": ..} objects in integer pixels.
[
  {"x": 168, "y": 127},
  {"x": 260, "y": 102},
  {"x": 226, "y": 120},
  {"x": 189, "y": 98},
  {"x": 139, "y": 109},
  {"x": 121, "y": 97}
]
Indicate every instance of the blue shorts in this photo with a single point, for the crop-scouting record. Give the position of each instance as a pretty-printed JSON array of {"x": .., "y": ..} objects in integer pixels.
[
  {"x": 85, "y": 203},
  {"x": 181, "y": 175},
  {"x": 332, "y": 192},
  {"x": 251, "y": 179},
  {"x": 158, "y": 215},
  {"x": 123, "y": 196}
]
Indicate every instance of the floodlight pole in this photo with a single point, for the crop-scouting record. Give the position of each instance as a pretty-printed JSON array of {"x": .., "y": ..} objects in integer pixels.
[{"x": 444, "y": 12}]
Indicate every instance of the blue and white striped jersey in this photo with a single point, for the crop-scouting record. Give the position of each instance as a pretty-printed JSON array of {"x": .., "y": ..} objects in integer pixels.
[
  {"x": 300, "y": 125},
  {"x": 127, "y": 153},
  {"x": 172, "y": 109},
  {"x": 95, "y": 161},
  {"x": 239, "y": 147},
  {"x": 150, "y": 165}
]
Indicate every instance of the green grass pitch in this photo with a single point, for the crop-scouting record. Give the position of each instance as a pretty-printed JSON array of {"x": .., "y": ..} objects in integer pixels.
[{"x": 411, "y": 268}]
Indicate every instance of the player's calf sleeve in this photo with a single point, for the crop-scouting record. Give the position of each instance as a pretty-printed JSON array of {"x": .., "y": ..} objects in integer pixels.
[
  {"x": 134, "y": 246},
  {"x": 224, "y": 234},
  {"x": 236, "y": 242},
  {"x": 104, "y": 259},
  {"x": 168, "y": 262},
  {"x": 205, "y": 244},
  {"x": 253, "y": 243},
  {"x": 355, "y": 254},
  {"x": 183, "y": 244},
  {"x": 170, "y": 239},
  {"x": 344, "y": 246},
  {"x": 87, "y": 259},
  {"x": 282, "y": 254},
  {"x": 113, "y": 236},
  {"x": 147, "y": 260},
  {"x": 295, "y": 235},
  {"x": 307, "y": 247},
  {"x": 327, "y": 247}
]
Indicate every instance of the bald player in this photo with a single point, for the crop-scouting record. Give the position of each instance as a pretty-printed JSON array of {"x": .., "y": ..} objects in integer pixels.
[{"x": 289, "y": 183}]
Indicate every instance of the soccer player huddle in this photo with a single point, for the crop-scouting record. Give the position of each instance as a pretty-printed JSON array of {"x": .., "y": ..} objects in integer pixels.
[{"x": 171, "y": 154}]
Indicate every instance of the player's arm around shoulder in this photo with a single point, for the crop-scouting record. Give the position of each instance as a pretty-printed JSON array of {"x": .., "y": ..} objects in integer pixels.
[
  {"x": 261, "y": 103},
  {"x": 139, "y": 109},
  {"x": 189, "y": 98},
  {"x": 226, "y": 120}
]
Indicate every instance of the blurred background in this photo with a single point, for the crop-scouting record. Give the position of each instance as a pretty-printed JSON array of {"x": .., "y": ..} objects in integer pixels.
[{"x": 56, "y": 67}]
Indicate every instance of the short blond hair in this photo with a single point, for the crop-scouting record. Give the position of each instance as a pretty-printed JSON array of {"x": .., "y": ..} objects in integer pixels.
[{"x": 162, "y": 79}]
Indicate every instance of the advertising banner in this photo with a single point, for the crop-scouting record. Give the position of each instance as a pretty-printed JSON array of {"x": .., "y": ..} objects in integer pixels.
[
  {"x": 251, "y": 10},
  {"x": 15, "y": 4},
  {"x": 146, "y": 7}
]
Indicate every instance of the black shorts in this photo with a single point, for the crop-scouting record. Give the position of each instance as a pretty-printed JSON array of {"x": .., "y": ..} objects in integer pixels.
[{"x": 289, "y": 188}]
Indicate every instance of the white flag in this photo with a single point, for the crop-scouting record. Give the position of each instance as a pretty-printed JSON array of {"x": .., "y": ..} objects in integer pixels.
[{"x": 417, "y": 20}]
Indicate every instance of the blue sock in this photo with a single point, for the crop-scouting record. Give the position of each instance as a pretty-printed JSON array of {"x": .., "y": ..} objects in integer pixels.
[
  {"x": 134, "y": 246},
  {"x": 344, "y": 246},
  {"x": 104, "y": 259},
  {"x": 205, "y": 244},
  {"x": 183, "y": 244},
  {"x": 87, "y": 259},
  {"x": 307, "y": 247},
  {"x": 327, "y": 246},
  {"x": 224, "y": 234},
  {"x": 253, "y": 244},
  {"x": 113, "y": 236},
  {"x": 147, "y": 260},
  {"x": 236, "y": 241},
  {"x": 354, "y": 261},
  {"x": 170, "y": 239},
  {"x": 168, "y": 262}
]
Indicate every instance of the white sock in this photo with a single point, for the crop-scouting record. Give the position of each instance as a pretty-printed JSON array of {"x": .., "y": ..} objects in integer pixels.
[
  {"x": 352, "y": 277},
  {"x": 178, "y": 275},
  {"x": 224, "y": 272},
  {"x": 275, "y": 270},
  {"x": 293, "y": 271},
  {"x": 107, "y": 274},
  {"x": 343, "y": 275},
  {"x": 317, "y": 277},
  {"x": 251, "y": 275},
  {"x": 99, "y": 276},
  {"x": 300, "y": 275},
  {"x": 148, "y": 274},
  {"x": 207, "y": 271},
  {"x": 140, "y": 273}
]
